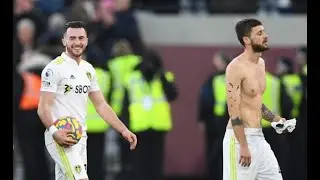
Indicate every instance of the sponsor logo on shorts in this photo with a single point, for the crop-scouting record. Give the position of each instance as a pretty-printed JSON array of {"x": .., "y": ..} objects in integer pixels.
[{"x": 77, "y": 168}]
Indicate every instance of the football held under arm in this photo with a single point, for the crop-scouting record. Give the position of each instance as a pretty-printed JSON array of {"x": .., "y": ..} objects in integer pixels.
[{"x": 233, "y": 83}]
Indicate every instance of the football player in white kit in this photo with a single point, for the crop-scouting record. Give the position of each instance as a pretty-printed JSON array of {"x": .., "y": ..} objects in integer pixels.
[{"x": 67, "y": 82}]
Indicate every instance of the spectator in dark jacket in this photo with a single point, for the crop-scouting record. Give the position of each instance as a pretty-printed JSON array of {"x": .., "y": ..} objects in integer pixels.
[
  {"x": 50, "y": 42},
  {"x": 110, "y": 26},
  {"x": 128, "y": 22},
  {"x": 24, "y": 9}
]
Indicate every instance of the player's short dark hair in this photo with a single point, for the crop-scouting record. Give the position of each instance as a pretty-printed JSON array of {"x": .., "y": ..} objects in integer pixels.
[
  {"x": 243, "y": 28},
  {"x": 75, "y": 24}
]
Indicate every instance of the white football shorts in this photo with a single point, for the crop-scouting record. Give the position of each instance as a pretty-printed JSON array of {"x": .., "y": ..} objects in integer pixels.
[
  {"x": 71, "y": 163},
  {"x": 264, "y": 165}
]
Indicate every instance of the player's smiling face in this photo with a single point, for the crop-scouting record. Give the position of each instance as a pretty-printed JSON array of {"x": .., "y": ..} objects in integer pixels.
[{"x": 75, "y": 40}]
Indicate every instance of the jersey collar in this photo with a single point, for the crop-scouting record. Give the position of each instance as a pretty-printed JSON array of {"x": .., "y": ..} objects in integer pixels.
[{"x": 69, "y": 59}]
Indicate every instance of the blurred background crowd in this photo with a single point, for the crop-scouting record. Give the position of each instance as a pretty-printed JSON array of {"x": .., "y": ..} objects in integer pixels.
[{"x": 182, "y": 48}]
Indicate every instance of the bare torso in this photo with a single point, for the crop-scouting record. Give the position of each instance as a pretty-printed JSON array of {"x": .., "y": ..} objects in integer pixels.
[{"x": 252, "y": 87}]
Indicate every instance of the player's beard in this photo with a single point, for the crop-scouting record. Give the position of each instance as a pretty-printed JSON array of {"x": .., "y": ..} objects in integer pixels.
[
  {"x": 258, "y": 48},
  {"x": 75, "y": 53}
]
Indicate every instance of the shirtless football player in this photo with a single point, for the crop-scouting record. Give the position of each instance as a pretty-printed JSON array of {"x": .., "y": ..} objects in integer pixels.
[{"x": 247, "y": 155}]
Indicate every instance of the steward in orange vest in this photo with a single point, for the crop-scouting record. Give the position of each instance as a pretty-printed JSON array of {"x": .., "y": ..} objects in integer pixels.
[
  {"x": 31, "y": 91},
  {"x": 28, "y": 126}
]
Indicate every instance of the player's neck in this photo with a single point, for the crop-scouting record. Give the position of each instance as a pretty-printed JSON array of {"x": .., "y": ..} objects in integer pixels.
[
  {"x": 252, "y": 56},
  {"x": 77, "y": 59}
]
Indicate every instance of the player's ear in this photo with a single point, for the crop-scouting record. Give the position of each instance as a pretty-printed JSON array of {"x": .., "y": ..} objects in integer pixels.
[
  {"x": 64, "y": 42},
  {"x": 246, "y": 40}
]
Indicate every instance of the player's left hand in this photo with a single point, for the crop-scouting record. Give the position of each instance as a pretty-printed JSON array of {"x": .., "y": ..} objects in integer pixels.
[
  {"x": 279, "y": 118},
  {"x": 131, "y": 138},
  {"x": 283, "y": 119}
]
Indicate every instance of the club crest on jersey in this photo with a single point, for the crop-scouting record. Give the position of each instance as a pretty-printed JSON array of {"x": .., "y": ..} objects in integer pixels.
[{"x": 89, "y": 76}]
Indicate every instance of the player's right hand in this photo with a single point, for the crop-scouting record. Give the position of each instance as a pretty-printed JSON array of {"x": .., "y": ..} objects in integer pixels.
[
  {"x": 131, "y": 138},
  {"x": 245, "y": 156},
  {"x": 61, "y": 137}
]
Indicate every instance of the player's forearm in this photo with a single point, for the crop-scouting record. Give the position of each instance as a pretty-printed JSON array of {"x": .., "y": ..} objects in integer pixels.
[
  {"x": 238, "y": 129},
  {"x": 44, "y": 113},
  {"x": 268, "y": 115},
  {"x": 106, "y": 112}
]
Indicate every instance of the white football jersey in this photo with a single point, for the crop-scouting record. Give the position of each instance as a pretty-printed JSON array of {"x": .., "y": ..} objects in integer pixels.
[{"x": 71, "y": 83}]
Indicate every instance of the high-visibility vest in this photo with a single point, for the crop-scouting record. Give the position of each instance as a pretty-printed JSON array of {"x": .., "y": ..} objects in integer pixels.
[
  {"x": 220, "y": 95},
  {"x": 148, "y": 105},
  {"x": 304, "y": 70},
  {"x": 294, "y": 88},
  {"x": 94, "y": 122},
  {"x": 31, "y": 91},
  {"x": 271, "y": 97},
  {"x": 119, "y": 67}
]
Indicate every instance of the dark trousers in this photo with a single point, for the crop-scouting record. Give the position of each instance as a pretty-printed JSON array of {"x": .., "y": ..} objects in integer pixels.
[
  {"x": 149, "y": 156},
  {"x": 146, "y": 161},
  {"x": 298, "y": 152},
  {"x": 215, "y": 130},
  {"x": 215, "y": 159},
  {"x": 280, "y": 145},
  {"x": 30, "y": 136},
  {"x": 96, "y": 158},
  {"x": 126, "y": 158}
]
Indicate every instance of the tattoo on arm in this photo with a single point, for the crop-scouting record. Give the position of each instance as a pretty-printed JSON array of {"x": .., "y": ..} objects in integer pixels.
[
  {"x": 233, "y": 83},
  {"x": 233, "y": 100},
  {"x": 236, "y": 122},
  {"x": 267, "y": 114}
]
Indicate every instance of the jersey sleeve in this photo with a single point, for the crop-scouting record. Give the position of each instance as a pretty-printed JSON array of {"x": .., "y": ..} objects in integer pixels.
[
  {"x": 94, "y": 82},
  {"x": 50, "y": 78}
]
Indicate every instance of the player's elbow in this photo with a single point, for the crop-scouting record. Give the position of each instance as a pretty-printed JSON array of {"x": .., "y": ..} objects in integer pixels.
[
  {"x": 101, "y": 107},
  {"x": 234, "y": 112},
  {"x": 234, "y": 116},
  {"x": 40, "y": 111}
]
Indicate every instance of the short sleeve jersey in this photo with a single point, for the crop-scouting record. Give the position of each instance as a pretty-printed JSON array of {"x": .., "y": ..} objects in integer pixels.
[{"x": 71, "y": 82}]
